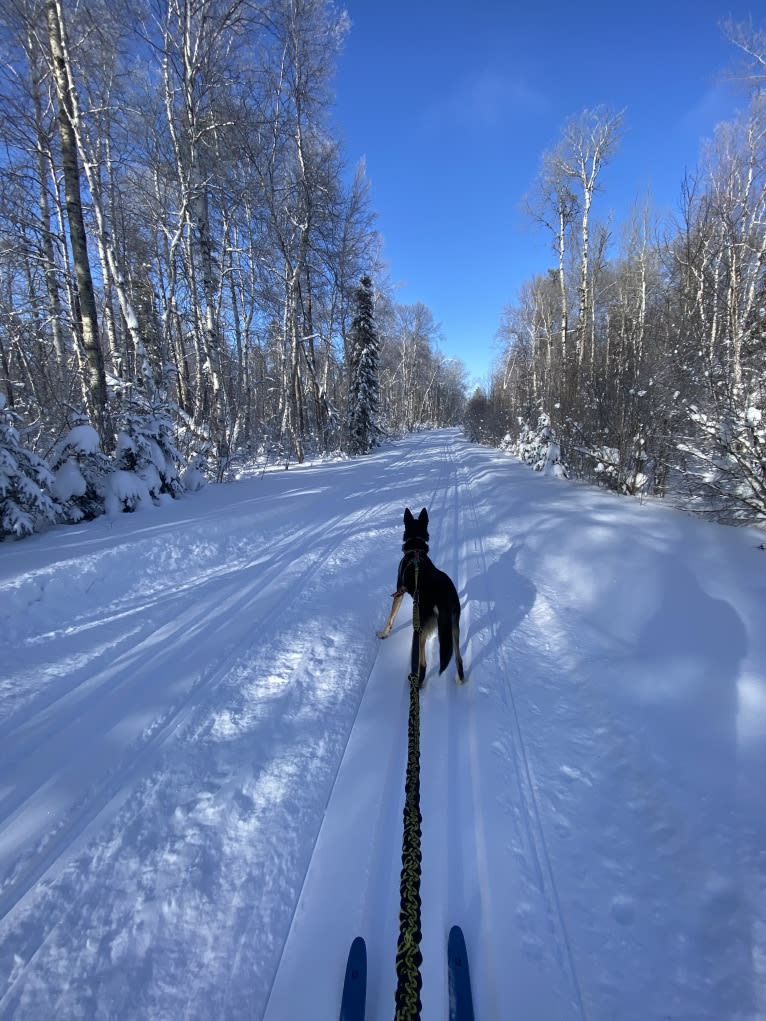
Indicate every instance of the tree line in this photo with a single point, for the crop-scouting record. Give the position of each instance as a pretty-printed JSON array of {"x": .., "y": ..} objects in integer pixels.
[
  {"x": 183, "y": 248},
  {"x": 641, "y": 354}
]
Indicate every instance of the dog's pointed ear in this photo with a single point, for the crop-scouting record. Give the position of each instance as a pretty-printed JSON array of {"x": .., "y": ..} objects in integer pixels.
[
  {"x": 408, "y": 515},
  {"x": 423, "y": 516}
]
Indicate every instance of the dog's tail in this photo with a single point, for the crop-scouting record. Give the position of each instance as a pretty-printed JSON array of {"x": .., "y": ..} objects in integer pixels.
[{"x": 446, "y": 631}]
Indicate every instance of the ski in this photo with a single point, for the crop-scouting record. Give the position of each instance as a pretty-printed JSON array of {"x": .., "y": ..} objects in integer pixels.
[
  {"x": 355, "y": 983},
  {"x": 460, "y": 999}
]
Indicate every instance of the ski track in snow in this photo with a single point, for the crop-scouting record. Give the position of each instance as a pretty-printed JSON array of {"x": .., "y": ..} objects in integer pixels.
[
  {"x": 533, "y": 856},
  {"x": 203, "y": 745}
]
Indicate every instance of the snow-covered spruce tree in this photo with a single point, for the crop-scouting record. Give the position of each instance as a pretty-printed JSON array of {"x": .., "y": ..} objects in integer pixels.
[
  {"x": 24, "y": 479},
  {"x": 81, "y": 473},
  {"x": 537, "y": 447},
  {"x": 145, "y": 458},
  {"x": 364, "y": 384}
]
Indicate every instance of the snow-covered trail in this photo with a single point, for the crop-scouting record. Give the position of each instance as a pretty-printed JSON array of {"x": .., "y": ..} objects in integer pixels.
[
  {"x": 202, "y": 752},
  {"x": 462, "y": 773}
]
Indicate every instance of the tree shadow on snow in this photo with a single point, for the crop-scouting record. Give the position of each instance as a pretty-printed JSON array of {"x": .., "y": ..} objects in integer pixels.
[
  {"x": 497, "y": 600},
  {"x": 688, "y": 660}
]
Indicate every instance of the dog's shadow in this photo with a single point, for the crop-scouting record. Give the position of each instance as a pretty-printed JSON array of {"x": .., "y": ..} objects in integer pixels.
[{"x": 495, "y": 602}]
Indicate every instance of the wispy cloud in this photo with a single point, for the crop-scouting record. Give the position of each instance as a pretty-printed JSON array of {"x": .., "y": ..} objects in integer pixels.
[
  {"x": 486, "y": 98},
  {"x": 716, "y": 104}
]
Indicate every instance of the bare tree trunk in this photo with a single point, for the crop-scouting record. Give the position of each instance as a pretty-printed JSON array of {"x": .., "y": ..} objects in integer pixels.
[
  {"x": 10, "y": 390},
  {"x": 295, "y": 391},
  {"x": 562, "y": 281},
  {"x": 582, "y": 290},
  {"x": 55, "y": 311},
  {"x": 97, "y": 390}
]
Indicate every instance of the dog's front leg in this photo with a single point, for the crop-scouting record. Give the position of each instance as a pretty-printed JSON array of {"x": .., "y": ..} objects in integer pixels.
[{"x": 398, "y": 596}]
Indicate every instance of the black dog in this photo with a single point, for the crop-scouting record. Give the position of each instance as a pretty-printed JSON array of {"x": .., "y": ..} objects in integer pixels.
[{"x": 436, "y": 596}]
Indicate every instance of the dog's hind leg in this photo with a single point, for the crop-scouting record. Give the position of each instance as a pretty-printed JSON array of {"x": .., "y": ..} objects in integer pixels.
[
  {"x": 456, "y": 646},
  {"x": 398, "y": 596},
  {"x": 446, "y": 638}
]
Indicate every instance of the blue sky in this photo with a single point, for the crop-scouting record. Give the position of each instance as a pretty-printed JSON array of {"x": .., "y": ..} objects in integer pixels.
[{"x": 452, "y": 105}]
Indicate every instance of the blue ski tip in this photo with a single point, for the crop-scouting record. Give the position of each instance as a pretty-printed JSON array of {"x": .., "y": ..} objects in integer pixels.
[
  {"x": 355, "y": 983},
  {"x": 460, "y": 998}
]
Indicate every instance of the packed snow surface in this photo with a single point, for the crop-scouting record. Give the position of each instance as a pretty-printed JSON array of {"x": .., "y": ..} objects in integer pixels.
[{"x": 202, "y": 751}]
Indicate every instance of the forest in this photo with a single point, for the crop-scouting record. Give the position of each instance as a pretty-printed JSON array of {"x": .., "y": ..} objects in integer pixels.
[
  {"x": 638, "y": 361},
  {"x": 191, "y": 279},
  {"x": 190, "y": 274}
]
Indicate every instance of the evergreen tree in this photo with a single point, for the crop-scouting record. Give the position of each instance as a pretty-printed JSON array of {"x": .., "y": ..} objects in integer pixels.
[
  {"x": 24, "y": 478},
  {"x": 145, "y": 446},
  {"x": 81, "y": 471},
  {"x": 364, "y": 384}
]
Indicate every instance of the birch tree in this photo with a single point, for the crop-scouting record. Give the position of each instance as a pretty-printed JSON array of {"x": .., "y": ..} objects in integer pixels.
[
  {"x": 555, "y": 205},
  {"x": 197, "y": 48},
  {"x": 70, "y": 163},
  {"x": 311, "y": 38},
  {"x": 587, "y": 143},
  {"x": 722, "y": 268}
]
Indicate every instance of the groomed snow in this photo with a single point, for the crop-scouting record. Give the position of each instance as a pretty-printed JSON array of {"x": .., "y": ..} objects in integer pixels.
[{"x": 202, "y": 752}]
